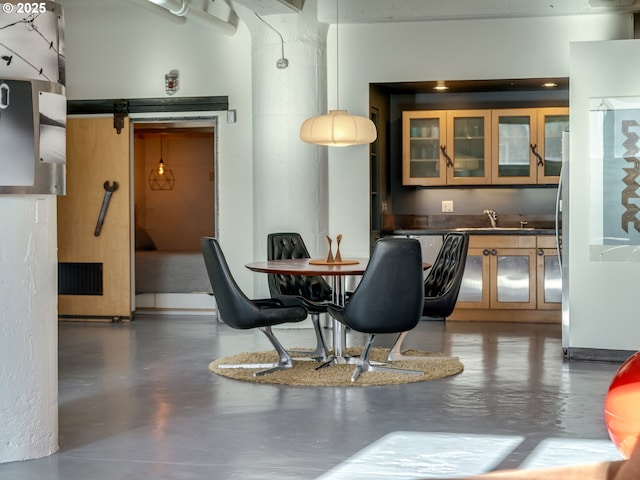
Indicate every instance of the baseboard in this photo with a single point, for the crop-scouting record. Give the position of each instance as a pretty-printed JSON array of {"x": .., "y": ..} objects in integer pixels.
[
  {"x": 597, "y": 354},
  {"x": 93, "y": 318},
  {"x": 505, "y": 315},
  {"x": 175, "y": 304}
]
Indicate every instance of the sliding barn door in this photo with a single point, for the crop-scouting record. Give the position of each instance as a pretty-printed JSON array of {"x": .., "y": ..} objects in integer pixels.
[{"x": 95, "y": 270}]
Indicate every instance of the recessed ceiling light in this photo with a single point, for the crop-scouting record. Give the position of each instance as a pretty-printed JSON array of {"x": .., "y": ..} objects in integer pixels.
[
  {"x": 440, "y": 86},
  {"x": 549, "y": 85}
]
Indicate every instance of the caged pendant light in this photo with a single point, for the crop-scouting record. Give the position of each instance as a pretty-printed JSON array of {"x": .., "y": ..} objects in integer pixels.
[
  {"x": 338, "y": 128},
  {"x": 161, "y": 176}
]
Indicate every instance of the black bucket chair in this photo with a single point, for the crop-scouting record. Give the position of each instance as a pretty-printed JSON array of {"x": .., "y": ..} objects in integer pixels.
[
  {"x": 311, "y": 292},
  {"x": 388, "y": 299},
  {"x": 238, "y": 311},
  {"x": 441, "y": 286}
]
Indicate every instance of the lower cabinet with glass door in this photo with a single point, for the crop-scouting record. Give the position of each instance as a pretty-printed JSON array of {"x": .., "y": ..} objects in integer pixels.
[
  {"x": 549, "y": 274},
  {"x": 507, "y": 280}
]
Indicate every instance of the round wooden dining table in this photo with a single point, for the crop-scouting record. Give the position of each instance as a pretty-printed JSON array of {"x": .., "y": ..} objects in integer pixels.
[{"x": 337, "y": 273}]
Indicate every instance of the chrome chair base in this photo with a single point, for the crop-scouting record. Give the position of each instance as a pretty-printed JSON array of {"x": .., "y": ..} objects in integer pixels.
[
  {"x": 321, "y": 353},
  {"x": 284, "y": 359},
  {"x": 333, "y": 360},
  {"x": 364, "y": 365},
  {"x": 396, "y": 355}
]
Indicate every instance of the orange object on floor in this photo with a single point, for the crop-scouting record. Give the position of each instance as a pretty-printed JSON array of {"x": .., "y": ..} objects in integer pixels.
[{"x": 622, "y": 406}]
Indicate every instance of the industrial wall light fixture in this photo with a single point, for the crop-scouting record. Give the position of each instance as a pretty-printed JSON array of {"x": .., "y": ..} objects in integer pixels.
[
  {"x": 282, "y": 63},
  {"x": 172, "y": 82}
]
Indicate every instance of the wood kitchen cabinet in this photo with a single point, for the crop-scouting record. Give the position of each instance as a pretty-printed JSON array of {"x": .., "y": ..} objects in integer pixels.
[
  {"x": 468, "y": 148},
  {"x": 549, "y": 274},
  {"x": 552, "y": 122},
  {"x": 507, "y": 279},
  {"x": 480, "y": 147},
  {"x": 502, "y": 272},
  {"x": 526, "y": 145},
  {"x": 423, "y": 133},
  {"x": 514, "y": 146},
  {"x": 446, "y": 147}
]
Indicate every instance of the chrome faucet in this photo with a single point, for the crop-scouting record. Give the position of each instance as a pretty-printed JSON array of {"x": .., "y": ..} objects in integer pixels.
[{"x": 493, "y": 217}]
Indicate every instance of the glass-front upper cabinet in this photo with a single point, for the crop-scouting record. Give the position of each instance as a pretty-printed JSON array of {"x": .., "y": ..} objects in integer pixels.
[
  {"x": 468, "y": 147},
  {"x": 479, "y": 147},
  {"x": 514, "y": 146},
  {"x": 552, "y": 122},
  {"x": 527, "y": 145},
  {"x": 423, "y": 135}
]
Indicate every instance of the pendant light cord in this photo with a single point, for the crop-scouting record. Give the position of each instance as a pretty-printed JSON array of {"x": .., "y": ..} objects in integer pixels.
[{"x": 337, "y": 58}]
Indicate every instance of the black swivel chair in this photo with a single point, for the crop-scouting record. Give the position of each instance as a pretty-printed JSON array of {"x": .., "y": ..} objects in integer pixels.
[
  {"x": 239, "y": 312},
  {"x": 388, "y": 299},
  {"x": 312, "y": 293},
  {"x": 441, "y": 286}
]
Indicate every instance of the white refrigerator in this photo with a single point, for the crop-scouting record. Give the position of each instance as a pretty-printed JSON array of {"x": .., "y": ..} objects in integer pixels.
[{"x": 601, "y": 218}]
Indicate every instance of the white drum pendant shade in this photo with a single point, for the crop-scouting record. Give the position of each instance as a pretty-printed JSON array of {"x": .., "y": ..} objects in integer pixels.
[{"x": 338, "y": 129}]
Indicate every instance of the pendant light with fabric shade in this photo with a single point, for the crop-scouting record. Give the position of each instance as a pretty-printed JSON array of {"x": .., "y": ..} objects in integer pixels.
[{"x": 338, "y": 128}]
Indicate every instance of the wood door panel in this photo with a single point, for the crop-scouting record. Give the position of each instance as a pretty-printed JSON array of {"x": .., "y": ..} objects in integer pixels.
[{"x": 95, "y": 154}]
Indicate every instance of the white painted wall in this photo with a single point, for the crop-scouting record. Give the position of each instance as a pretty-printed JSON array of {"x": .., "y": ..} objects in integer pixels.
[
  {"x": 28, "y": 327},
  {"x": 602, "y": 295},
  {"x": 28, "y": 268},
  {"x": 290, "y": 176},
  {"x": 115, "y": 49},
  {"x": 451, "y": 50}
]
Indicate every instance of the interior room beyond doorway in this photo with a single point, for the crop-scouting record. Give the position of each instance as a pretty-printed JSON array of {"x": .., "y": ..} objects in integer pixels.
[{"x": 174, "y": 196}]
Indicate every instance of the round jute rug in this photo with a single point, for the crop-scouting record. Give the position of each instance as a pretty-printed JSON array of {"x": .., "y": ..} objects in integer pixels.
[{"x": 303, "y": 373}]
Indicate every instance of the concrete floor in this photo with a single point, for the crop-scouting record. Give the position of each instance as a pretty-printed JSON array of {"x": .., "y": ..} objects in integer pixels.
[{"x": 137, "y": 401}]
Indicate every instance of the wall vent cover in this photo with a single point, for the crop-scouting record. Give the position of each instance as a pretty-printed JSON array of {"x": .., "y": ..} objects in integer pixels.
[{"x": 79, "y": 278}]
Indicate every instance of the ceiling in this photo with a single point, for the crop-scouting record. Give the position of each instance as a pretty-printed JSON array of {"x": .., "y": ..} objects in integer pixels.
[
  {"x": 375, "y": 11},
  {"x": 268, "y": 7},
  {"x": 466, "y": 86}
]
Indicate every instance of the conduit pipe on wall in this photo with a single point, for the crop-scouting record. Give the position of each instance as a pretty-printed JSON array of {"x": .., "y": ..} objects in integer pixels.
[
  {"x": 182, "y": 8},
  {"x": 163, "y": 12}
]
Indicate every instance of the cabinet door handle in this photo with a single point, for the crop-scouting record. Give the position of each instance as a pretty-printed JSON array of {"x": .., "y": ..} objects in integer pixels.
[
  {"x": 443, "y": 149},
  {"x": 540, "y": 252},
  {"x": 486, "y": 252},
  {"x": 494, "y": 252},
  {"x": 534, "y": 150}
]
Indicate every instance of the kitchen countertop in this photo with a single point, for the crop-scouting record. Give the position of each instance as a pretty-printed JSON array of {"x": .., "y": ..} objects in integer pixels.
[
  {"x": 508, "y": 224},
  {"x": 471, "y": 231}
]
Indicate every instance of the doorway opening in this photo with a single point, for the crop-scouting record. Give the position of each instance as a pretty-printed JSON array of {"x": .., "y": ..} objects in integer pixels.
[{"x": 172, "y": 209}]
